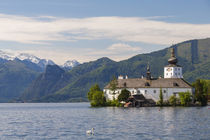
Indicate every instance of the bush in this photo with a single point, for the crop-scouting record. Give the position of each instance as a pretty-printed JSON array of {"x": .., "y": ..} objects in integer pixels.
[
  {"x": 124, "y": 95},
  {"x": 173, "y": 100},
  {"x": 114, "y": 102},
  {"x": 185, "y": 98}
]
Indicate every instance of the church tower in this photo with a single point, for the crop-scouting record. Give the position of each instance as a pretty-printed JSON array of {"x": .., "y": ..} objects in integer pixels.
[{"x": 173, "y": 70}]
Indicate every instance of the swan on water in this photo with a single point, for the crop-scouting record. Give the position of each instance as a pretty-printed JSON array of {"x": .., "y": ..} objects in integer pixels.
[{"x": 90, "y": 131}]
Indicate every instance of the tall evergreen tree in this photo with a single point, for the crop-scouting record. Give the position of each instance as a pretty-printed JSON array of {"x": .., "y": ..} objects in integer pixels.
[
  {"x": 200, "y": 92},
  {"x": 161, "y": 97},
  {"x": 113, "y": 84}
]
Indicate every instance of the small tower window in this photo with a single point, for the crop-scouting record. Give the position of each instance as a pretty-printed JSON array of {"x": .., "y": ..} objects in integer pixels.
[
  {"x": 154, "y": 91},
  {"x": 145, "y": 91}
]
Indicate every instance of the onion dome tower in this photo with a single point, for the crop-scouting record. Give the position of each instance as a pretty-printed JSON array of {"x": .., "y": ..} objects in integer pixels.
[
  {"x": 172, "y": 70},
  {"x": 148, "y": 73}
]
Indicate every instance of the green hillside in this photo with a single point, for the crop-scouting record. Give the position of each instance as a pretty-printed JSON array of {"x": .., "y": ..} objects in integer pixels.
[
  {"x": 193, "y": 55},
  {"x": 15, "y": 77}
]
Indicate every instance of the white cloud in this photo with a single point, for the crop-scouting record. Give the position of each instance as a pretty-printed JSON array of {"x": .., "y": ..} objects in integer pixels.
[
  {"x": 131, "y": 29},
  {"x": 121, "y": 47}
]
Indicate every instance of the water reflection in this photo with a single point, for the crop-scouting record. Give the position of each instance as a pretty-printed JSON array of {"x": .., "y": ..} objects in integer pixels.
[{"x": 70, "y": 121}]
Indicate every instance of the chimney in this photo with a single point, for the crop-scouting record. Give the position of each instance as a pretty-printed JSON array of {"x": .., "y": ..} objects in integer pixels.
[
  {"x": 126, "y": 77},
  {"x": 120, "y": 77}
]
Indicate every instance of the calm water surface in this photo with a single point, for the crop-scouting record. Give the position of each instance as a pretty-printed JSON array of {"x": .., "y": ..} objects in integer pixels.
[{"x": 71, "y": 120}]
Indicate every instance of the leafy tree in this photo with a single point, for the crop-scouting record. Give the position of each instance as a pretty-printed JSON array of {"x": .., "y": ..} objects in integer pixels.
[
  {"x": 113, "y": 84},
  {"x": 123, "y": 95},
  {"x": 160, "y": 102},
  {"x": 96, "y": 96},
  {"x": 173, "y": 100},
  {"x": 98, "y": 99},
  {"x": 92, "y": 90},
  {"x": 201, "y": 91},
  {"x": 185, "y": 98}
]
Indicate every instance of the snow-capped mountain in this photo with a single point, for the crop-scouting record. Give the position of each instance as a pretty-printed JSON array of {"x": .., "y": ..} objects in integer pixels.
[
  {"x": 70, "y": 64},
  {"x": 6, "y": 56},
  {"x": 40, "y": 62},
  {"x": 25, "y": 56}
]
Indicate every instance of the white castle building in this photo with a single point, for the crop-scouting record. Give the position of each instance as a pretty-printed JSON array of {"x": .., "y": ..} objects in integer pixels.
[{"x": 149, "y": 87}]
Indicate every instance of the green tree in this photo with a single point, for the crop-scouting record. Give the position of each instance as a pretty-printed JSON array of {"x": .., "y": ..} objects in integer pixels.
[
  {"x": 92, "y": 90},
  {"x": 113, "y": 84},
  {"x": 123, "y": 95},
  {"x": 160, "y": 102},
  {"x": 185, "y": 98},
  {"x": 173, "y": 100},
  {"x": 98, "y": 99},
  {"x": 201, "y": 91},
  {"x": 96, "y": 96}
]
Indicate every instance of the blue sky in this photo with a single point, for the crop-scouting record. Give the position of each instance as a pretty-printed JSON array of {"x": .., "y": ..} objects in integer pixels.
[{"x": 86, "y": 30}]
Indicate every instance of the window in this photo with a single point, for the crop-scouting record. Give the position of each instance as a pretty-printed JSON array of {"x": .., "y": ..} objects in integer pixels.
[
  {"x": 154, "y": 91},
  {"x": 164, "y": 91},
  {"x": 145, "y": 91},
  {"x": 138, "y": 91}
]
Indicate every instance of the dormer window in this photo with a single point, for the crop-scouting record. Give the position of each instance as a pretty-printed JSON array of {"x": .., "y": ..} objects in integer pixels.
[
  {"x": 125, "y": 84},
  {"x": 175, "y": 84},
  {"x": 147, "y": 84}
]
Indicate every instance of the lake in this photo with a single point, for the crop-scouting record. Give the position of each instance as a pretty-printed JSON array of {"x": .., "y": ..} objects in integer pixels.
[{"x": 71, "y": 120}]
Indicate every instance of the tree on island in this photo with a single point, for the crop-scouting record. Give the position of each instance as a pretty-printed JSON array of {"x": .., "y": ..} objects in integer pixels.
[
  {"x": 96, "y": 96},
  {"x": 185, "y": 98},
  {"x": 173, "y": 100},
  {"x": 160, "y": 102},
  {"x": 113, "y": 84},
  {"x": 201, "y": 90},
  {"x": 124, "y": 95}
]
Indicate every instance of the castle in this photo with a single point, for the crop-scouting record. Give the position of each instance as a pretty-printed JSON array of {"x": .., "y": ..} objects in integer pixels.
[{"x": 149, "y": 87}]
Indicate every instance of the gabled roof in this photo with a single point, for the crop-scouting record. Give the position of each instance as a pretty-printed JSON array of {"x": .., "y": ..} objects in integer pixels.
[{"x": 153, "y": 83}]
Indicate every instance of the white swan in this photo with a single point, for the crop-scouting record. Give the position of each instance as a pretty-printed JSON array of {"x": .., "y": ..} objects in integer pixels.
[{"x": 90, "y": 131}]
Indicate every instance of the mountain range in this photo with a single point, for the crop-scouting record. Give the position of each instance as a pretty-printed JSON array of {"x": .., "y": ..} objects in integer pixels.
[
  {"x": 57, "y": 85},
  {"x": 27, "y": 78},
  {"x": 17, "y": 72}
]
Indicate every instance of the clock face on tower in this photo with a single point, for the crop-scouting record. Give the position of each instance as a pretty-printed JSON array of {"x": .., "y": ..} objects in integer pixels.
[{"x": 169, "y": 69}]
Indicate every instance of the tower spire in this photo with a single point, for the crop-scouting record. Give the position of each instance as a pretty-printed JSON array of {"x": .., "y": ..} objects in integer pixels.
[
  {"x": 173, "y": 60},
  {"x": 148, "y": 72}
]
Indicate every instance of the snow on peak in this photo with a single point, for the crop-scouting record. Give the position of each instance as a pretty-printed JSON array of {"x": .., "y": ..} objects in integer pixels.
[
  {"x": 7, "y": 56},
  {"x": 29, "y": 57},
  {"x": 71, "y": 63},
  {"x": 34, "y": 59}
]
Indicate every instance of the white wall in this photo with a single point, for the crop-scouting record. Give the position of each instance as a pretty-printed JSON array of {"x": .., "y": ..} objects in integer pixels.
[
  {"x": 173, "y": 72},
  {"x": 149, "y": 93}
]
